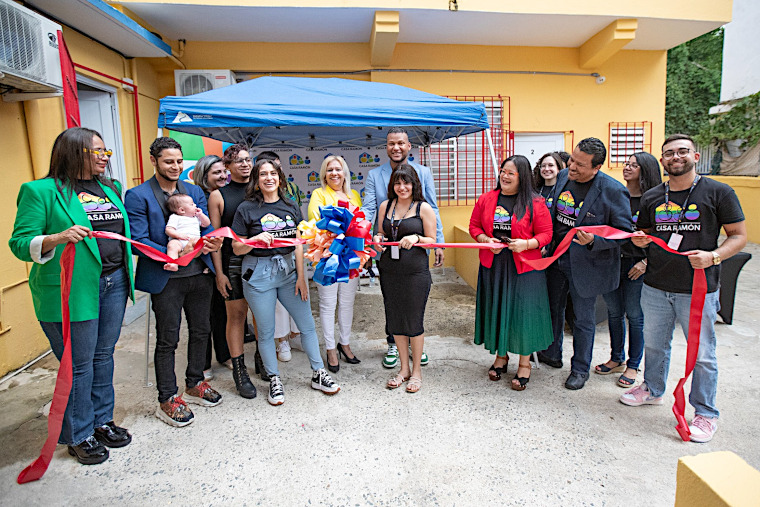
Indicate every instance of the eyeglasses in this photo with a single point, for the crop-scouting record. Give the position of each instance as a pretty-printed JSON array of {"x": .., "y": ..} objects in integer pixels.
[
  {"x": 681, "y": 152},
  {"x": 99, "y": 153},
  {"x": 243, "y": 160},
  {"x": 634, "y": 165}
]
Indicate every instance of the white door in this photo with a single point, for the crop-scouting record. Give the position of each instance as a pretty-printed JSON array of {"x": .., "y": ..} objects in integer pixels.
[
  {"x": 98, "y": 111},
  {"x": 533, "y": 145}
]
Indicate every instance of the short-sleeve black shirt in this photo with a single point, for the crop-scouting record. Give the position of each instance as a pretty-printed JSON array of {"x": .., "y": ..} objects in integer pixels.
[
  {"x": 502, "y": 217},
  {"x": 711, "y": 205},
  {"x": 280, "y": 219},
  {"x": 104, "y": 216},
  {"x": 569, "y": 203}
]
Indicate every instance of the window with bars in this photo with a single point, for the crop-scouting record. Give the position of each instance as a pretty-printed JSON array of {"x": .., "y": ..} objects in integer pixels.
[
  {"x": 626, "y": 138},
  {"x": 462, "y": 166}
]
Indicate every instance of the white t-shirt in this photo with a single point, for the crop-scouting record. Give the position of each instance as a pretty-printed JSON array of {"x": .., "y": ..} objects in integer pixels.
[{"x": 187, "y": 226}]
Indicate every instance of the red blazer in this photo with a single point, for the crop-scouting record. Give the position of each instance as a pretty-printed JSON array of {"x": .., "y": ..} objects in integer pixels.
[{"x": 539, "y": 227}]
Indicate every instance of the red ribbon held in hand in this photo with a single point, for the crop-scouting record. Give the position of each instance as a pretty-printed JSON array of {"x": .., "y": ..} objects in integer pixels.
[
  {"x": 698, "y": 293},
  {"x": 64, "y": 378}
]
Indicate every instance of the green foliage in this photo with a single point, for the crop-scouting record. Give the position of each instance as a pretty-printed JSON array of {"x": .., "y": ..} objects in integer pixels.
[
  {"x": 741, "y": 122},
  {"x": 693, "y": 86}
]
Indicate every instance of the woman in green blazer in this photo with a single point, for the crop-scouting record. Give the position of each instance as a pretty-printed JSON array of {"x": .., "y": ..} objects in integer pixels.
[{"x": 75, "y": 198}]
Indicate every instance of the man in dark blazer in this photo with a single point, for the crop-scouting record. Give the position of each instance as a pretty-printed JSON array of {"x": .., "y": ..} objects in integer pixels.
[
  {"x": 583, "y": 196},
  {"x": 190, "y": 287}
]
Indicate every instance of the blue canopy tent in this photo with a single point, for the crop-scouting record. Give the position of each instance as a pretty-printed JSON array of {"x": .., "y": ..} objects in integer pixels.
[{"x": 292, "y": 112}]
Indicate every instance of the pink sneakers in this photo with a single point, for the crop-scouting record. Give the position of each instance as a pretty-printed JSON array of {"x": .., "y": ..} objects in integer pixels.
[
  {"x": 703, "y": 428},
  {"x": 640, "y": 395}
]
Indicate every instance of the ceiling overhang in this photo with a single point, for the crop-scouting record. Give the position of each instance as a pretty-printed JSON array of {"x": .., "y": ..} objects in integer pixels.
[
  {"x": 107, "y": 25},
  {"x": 333, "y": 22}
]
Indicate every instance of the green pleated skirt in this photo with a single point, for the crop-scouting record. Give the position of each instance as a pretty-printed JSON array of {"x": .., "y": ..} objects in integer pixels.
[{"x": 512, "y": 312}]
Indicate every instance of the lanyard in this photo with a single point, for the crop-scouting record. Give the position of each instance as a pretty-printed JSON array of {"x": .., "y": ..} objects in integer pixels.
[
  {"x": 685, "y": 203},
  {"x": 394, "y": 227}
]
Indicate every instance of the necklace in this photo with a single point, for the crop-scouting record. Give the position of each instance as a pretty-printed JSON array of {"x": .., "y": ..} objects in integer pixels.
[{"x": 395, "y": 225}]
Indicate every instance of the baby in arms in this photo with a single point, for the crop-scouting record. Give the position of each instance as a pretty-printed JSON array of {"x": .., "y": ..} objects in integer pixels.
[{"x": 184, "y": 226}]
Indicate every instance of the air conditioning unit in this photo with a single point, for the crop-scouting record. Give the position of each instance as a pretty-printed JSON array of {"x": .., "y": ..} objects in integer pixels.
[
  {"x": 190, "y": 82},
  {"x": 29, "y": 58}
]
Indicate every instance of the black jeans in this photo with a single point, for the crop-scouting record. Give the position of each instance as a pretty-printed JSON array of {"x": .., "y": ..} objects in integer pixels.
[
  {"x": 193, "y": 293},
  {"x": 218, "y": 339}
]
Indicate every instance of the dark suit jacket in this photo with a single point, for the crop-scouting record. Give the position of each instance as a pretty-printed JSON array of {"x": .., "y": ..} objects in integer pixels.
[
  {"x": 596, "y": 270},
  {"x": 148, "y": 225}
]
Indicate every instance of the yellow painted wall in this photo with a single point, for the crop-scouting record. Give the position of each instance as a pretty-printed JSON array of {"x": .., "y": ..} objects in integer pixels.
[
  {"x": 29, "y": 129},
  {"x": 634, "y": 91},
  {"x": 748, "y": 191}
]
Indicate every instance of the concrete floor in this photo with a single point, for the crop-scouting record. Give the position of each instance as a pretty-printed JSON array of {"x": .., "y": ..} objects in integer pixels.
[{"x": 463, "y": 440}]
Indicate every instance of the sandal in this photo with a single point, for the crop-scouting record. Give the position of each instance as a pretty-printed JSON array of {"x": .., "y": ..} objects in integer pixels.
[
  {"x": 522, "y": 382},
  {"x": 396, "y": 382},
  {"x": 414, "y": 385},
  {"x": 603, "y": 369},
  {"x": 494, "y": 373},
  {"x": 626, "y": 382}
]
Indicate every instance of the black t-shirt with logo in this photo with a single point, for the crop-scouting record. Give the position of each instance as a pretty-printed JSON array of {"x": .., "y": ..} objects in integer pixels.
[
  {"x": 711, "y": 205},
  {"x": 569, "y": 203},
  {"x": 628, "y": 249},
  {"x": 546, "y": 193},
  {"x": 502, "y": 217},
  {"x": 280, "y": 219},
  {"x": 104, "y": 216}
]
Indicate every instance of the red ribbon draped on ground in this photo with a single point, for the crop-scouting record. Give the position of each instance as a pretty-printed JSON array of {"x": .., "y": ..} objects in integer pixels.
[
  {"x": 63, "y": 381},
  {"x": 698, "y": 293},
  {"x": 64, "y": 378}
]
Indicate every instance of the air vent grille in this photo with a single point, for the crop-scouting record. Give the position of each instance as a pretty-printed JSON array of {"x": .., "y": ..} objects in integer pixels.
[{"x": 21, "y": 50}]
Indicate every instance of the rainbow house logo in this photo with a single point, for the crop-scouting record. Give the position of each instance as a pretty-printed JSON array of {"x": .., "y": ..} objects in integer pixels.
[
  {"x": 313, "y": 177},
  {"x": 501, "y": 216},
  {"x": 566, "y": 204},
  {"x": 356, "y": 176},
  {"x": 295, "y": 159},
  {"x": 271, "y": 222},
  {"x": 670, "y": 212}
]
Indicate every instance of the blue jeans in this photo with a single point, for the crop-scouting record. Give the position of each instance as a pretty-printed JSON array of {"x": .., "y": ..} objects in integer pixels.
[
  {"x": 663, "y": 310},
  {"x": 275, "y": 278},
  {"x": 559, "y": 282},
  {"x": 92, "y": 344},
  {"x": 625, "y": 301}
]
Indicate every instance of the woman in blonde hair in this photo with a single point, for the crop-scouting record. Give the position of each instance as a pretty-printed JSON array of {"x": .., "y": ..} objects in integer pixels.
[{"x": 336, "y": 186}]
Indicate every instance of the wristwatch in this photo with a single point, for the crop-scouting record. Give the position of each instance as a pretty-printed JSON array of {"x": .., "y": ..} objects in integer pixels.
[{"x": 716, "y": 258}]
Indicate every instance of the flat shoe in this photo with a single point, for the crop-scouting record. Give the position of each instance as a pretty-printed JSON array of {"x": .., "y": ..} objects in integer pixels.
[
  {"x": 626, "y": 382},
  {"x": 396, "y": 382},
  {"x": 603, "y": 369},
  {"x": 111, "y": 435},
  {"x": 414, "y": 385},
  {"x": 89, "y": 452}
]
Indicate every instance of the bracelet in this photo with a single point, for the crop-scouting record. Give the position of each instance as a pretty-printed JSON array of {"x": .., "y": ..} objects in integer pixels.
[{"x": 644, "y": 261}]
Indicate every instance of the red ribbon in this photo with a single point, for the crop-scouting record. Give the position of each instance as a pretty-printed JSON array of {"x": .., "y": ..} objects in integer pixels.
[
  {"x": 184, "y": 260},
  {"x": 64, "y": 379},
  {"x": 698, "y": 293}
]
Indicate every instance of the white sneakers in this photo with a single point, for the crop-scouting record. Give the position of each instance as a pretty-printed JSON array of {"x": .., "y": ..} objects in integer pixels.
[{"x": 283, "y": 350}]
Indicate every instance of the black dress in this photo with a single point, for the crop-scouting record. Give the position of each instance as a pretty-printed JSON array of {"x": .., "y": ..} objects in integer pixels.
[{"x": 405, "y": 282}]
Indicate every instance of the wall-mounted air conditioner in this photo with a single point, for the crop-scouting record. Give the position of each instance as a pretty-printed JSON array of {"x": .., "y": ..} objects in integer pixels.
[
  {"x": 29, "y": 58},
  {"x": 190, "y": 82}
]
